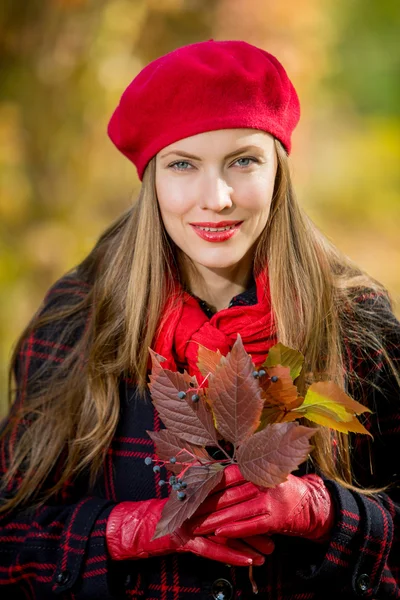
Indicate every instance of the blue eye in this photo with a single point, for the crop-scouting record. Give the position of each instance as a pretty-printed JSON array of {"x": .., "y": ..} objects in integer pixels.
[
  {"x": 177, "y": 165},
  {"x": 179, "y": 162},
  {"x": 253, "y": 160}
]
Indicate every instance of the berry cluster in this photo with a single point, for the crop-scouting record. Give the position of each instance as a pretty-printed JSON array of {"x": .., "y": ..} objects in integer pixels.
[
  {"x": 178, "y": 485},
  {"x": 194, "y": 398},
  {"x": 261, "y": 373},
  {"x": 193, "y": 390}
]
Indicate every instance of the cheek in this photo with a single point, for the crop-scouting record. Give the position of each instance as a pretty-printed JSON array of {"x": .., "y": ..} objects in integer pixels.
[
  {"x": 257, "y": 197},
  {"x": 174, "y": 208},
  {"x": 173, "y": 201}
]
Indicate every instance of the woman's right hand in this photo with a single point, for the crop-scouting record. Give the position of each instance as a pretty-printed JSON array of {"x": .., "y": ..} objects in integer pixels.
[{"x": 232, "y": 490}]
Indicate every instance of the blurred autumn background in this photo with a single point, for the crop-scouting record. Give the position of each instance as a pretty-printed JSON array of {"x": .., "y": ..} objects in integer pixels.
[{"x": 64, "y": 64}]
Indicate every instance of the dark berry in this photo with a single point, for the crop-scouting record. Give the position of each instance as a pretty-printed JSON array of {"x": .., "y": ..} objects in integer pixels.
[
  {"x": 181, "y": 495},
  {"x": 156, "y": 468},
  {"x": 195, "y": 398},
  {"x": 261, "y": 373},
  {"x": 176, "y": 487},
  {"x": 172, "y": 480},
  {"x": 182, "y": 395},
  {"x": 274, "y": 378},
  {"x": 161, "y": 482},
  {"x": 183, "y": 484},
  {"x": 172, "y": 460},
  {"x": 255, "y": 374},
  {"x": 148, "y": 460}
]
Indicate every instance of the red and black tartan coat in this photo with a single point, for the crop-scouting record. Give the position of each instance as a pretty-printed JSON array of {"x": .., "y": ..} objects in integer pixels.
[{"x": 60, "y": 549}]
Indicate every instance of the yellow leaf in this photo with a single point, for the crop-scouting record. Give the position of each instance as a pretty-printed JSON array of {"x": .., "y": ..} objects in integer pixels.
[
  {"x": 314, "y": 403},
  {"x": 330, "y": 395},
  {"x": 328, "y": 405},
  {"x": 353, "y": 425}
]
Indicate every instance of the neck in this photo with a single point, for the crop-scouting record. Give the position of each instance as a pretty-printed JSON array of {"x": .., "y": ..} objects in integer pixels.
[{"x": 218, "y": 286}]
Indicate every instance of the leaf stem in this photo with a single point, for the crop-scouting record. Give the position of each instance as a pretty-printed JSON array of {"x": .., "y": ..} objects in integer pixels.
[
  {"x": 253, "y": 583},
  {"x": 230, "y": 458},
  {"x": 185, "y": 450},
  {"x": 204, "y": 464}
]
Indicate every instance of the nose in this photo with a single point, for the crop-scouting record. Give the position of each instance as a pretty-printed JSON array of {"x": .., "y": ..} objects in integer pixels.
[{"x": 216, "y": 193}]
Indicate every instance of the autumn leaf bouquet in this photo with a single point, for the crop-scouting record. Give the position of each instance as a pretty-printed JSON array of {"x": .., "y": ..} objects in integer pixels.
[{"x": 238, "y": 415}]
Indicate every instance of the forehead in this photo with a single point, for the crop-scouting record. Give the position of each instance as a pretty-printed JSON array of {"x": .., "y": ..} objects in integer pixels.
[{"x": 220, "y": 140}]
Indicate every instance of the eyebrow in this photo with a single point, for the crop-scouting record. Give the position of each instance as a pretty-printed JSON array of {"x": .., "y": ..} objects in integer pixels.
[{"x": 230, "y": 155}]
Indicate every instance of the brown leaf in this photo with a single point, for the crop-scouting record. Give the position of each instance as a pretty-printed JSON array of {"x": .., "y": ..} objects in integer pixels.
[
  {"x": 235, "y": 396},
  {"x": 267, "y": 457},
  {"x": 208, "y": 360},
  {"x": 168, "y": 445},
  {"x": 157, "y": 368},
  {"x": 283, "y": 392},
  {"x": 280, "y": 397},
  {"x": 277, "y": 414},
  {"x": 190, "y": 421},
  {"x": 200, "y": 481}
]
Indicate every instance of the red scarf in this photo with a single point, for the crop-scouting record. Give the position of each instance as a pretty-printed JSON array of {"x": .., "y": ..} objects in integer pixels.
[{"x": 185, "y": 326}]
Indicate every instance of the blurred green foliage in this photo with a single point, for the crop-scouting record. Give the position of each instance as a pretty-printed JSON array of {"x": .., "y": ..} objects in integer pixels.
[{"x": 64, "y": 64}]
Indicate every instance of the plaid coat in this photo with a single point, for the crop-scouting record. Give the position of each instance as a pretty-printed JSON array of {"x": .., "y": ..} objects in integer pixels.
[{"x": 60, "y": 549}]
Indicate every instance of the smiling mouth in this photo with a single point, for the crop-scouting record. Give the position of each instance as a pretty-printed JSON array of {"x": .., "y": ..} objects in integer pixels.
[
  {"x": 217, "y": 225},
  {"x": 217, "y": 228},
  {"x": 217, "y": 234}
]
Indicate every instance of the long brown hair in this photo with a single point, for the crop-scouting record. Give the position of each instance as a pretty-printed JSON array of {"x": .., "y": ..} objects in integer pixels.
[{"x": 72, "y": 414}]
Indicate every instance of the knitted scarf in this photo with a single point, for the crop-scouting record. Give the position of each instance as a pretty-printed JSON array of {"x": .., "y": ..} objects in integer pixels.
[{"x": 185, "y": 326}]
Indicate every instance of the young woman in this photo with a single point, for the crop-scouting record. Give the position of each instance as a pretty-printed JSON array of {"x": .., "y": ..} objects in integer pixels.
[{"x": 215, "y": 246}]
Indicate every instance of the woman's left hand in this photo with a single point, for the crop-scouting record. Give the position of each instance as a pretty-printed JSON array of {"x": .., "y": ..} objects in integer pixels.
[{"x": 301, "y": 506}]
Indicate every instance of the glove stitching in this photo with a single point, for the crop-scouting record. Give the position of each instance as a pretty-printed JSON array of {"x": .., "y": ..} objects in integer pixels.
[{"x": 321, "y": 495}]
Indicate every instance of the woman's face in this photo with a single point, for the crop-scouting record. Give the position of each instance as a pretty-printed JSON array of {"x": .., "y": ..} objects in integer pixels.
[{"x": 217, "y": 179}]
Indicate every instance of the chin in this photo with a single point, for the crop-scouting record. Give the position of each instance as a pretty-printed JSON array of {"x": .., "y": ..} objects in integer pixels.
[{"x": 218, "y": 264}]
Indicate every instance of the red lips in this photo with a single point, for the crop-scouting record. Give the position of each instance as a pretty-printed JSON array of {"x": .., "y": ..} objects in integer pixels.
[
  {"x": 219, "y": 224},
  {"x": 217, "y": 236}
]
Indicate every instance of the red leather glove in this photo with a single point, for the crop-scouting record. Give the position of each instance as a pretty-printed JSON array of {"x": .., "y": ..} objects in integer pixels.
[
  {"x": 232, "y": 489},
  {"x": 131, "y": 525},
  {"x": 301, "y": 506}
]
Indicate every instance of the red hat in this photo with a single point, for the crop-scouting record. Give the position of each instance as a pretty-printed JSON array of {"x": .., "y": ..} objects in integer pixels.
[{"x": 202, "y": 87}]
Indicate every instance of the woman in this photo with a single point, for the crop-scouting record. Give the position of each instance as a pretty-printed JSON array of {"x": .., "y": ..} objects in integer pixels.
[{"x": 216, "y": 245}]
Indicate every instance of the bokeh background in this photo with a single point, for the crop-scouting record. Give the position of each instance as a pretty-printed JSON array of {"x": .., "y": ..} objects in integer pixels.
[{"x": 64, "y": 64}]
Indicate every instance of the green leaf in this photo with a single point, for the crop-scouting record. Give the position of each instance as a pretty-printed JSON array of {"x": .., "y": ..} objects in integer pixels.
[{"x": 287, "y": 357}]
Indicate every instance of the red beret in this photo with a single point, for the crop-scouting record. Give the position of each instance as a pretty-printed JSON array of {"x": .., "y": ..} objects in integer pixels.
[{"x": 202, "y": 87}]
